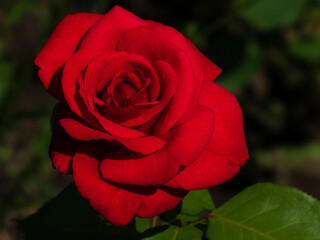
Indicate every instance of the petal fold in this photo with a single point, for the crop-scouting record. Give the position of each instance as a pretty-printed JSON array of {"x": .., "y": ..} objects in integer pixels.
[
  {"x": 119, "y": 203},
  {"x": 79, "y": 131},
  {"x": 226, "y": 151},
  {"x": 184, "y": 144},
  {"x": 74, "y": 92},
  {"x": 59, "y": 48},
  {"x": 106, "y": 32},
  {"x": 62, "y": 146}
]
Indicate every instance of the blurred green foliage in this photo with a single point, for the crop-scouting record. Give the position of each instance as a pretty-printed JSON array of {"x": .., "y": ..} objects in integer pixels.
[
  {"x": 270, "y": 14},
  {"x": 269, "y": 51}
]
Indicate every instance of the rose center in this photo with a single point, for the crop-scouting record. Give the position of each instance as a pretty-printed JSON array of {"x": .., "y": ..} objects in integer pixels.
[
  {"x": 121, "y": 89},
  {"x": 123, "y": 93}
]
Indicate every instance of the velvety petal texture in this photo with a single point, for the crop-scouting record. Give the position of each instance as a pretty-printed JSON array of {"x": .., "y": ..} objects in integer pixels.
[
  {"x": 60, "y": 47},
  {"x": 140, "y": 121},
  {"x": 226, "y": 151},
  {"x": 119, "y": 203}
]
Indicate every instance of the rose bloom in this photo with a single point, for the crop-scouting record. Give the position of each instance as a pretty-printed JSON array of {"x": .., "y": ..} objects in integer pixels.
[{"x": 140, "y": 121}]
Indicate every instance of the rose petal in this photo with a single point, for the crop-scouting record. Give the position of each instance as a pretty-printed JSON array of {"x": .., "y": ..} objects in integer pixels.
[
  {"x": 184, "y": 144},
  {"x": 163, "y": 200},
  {"x": 144, "y": 145},
  {"x": 226, "y": 151},
  {"x": 155, "y": 49},
  {"x": 211, "y": 70},
  {"x": 101, "y": 71},
  {"x": 154, "y": 169},
  {"x": 74, "y": 94},
  {"x": 147, "y": 127},
  {"x": 114, "y": 204},
  {"x": 202, "y": 65},
  {"x": 191, "y": 137},
  {"x": 118, "y": 204},
  {"x": 105, "y": 34},
  {"x": 168, "y": 82},
  {"x": 62, "y": 146},
  {"x": 60, "y": 46},
  {"x": 120, "y": 114},
  {"x": 62, "y": 149},
  {"x": 72, "y": 70},
  {"x": 131, "y": 63},
  {"x": 94, "y": 72},
  {"x": 203, "y": 68}
]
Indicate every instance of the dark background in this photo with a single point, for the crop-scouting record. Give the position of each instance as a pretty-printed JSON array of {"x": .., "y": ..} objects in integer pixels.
[{"x": 269, "y": 51}]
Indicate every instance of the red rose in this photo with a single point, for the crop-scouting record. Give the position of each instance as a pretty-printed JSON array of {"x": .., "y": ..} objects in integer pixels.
[{"x": 140, "y": 120}]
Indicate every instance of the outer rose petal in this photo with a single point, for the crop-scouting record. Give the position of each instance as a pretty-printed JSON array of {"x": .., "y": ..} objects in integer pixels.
[
  {"x": 184, "y": 144},
  {"x": 62, "y": 149},
  {"x": 118, "y": 204},
  {"x": 60, "y": 46},
  {"x": 73, "y": 87},
  {"x": 202, "y": 65},
  {"x": 226, "y": 151},
  {"x": 106, "y": 32},
  {"x": 155, "y": 49},
  {"x": 62, "y": 146},
  {"x": 164, "y": 199},
  {"x": 79, "y": 131},
  {"x": 203, "y": 68}
]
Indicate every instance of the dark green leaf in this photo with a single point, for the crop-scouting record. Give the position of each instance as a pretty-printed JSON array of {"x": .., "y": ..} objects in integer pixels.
[
  {"x": 142, "y": 224},
  {"x": 292, "y": 157},
  {"x": 177, "y": 233},
  {"x": 196, "y": 202},
  {"x": 267, "y": 211},
  {"x": 306, "y": 49},
  {"x": 69, "y": 216},
  {"x": 189, "y": 233},
  {"x": 269, "y": 14}
]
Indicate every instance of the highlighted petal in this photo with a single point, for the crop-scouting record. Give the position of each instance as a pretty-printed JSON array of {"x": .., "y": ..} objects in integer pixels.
[
  {"x": 204, "y": 69},
  {"x": 62, "y": 146},
  {"x": 106, "y": 32},
  {"x": 73, "y": 88},
  {"x": 155, "y": 49},
  {"x": 79, "y": 131},
  {"x": 226, "y": 150},
  {"x": 168, "y": 83},
  {"x": 60, "y": 46},
  {"x": 118, "y": 203},
  {"x": 184, "y": 144}
]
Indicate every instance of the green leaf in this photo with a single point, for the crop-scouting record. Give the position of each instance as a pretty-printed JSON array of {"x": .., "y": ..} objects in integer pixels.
[
  {"x": 69, "y": 216},
  {"x": 267, "y": 211},
  {"x": 270, "y": 14},
  {"x": 192, "y": 31},
  {"x": 196, "y": 202},
  {"x": 189, "y": 232},
  {"x": 306, "y": 49},
  {"x": 291, "y": 157},
  {"x": 176, "y": 233},
  {"x": 142, "y": 224}
]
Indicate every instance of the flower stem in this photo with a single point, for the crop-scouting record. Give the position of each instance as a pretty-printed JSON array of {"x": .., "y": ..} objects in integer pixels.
[
  {"x": 154, "y": 221},
  {"x": 198, "y": 221}
]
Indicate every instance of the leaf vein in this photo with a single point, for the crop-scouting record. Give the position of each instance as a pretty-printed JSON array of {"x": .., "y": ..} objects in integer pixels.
[{"x": 242, "y": 226}]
